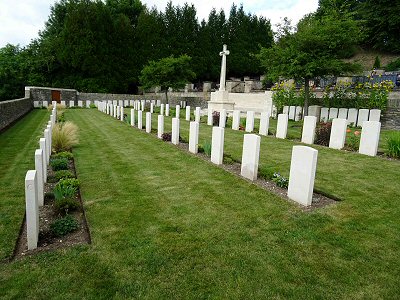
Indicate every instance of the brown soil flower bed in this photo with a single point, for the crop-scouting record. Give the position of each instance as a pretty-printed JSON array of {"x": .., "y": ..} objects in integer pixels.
[{"x": 47, "y": 215}]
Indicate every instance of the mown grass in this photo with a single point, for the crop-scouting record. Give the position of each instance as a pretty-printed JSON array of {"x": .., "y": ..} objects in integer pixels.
[{"x": 166, "y": 224}]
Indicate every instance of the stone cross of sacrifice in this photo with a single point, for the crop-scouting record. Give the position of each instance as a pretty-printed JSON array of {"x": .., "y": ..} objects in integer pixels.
[{"x": 223, "y": 53}]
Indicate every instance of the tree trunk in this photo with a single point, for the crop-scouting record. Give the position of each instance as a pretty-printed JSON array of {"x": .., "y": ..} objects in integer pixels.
[{"x": 306, "y": 95}]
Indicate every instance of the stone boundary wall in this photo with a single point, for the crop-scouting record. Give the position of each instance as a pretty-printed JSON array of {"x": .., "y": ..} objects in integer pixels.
[
  {"x": 391, "y": 117},
  {"x": 12, "y": 110}
]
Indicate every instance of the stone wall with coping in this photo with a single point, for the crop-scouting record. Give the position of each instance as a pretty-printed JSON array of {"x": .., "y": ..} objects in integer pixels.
[
  {"x": 41, "y": 96},
  {"x": 12, "y": 110},
  {"x": 391, "y": 117}
]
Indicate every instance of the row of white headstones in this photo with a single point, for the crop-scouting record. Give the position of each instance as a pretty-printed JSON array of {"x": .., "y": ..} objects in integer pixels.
[
  {"x": 35, "y": 180},
  {"x": 303, "y": 162}
]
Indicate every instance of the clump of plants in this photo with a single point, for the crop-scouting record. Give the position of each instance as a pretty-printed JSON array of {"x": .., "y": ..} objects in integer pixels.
[
  {"x": 65, "y": 136},
  {"x": 64, "y": 226},
  {"x": 60, "y": 117},
  {"x": 207, "y": 148},
  {"x": 265, "y": 173},
  {"x": 72, "y": 182},
  {"x": 64, "y": 154},
  {"x": 228, "y": 160},
  {"x": 65, "y": 198},
  {"x": 62, "y": 174},
  {"x": 393, "y": 145},
  {"x": 58, "y": 164},
  {"x": 166, "y": 136},
  {"x": 353, "y": 140},
  {"x": 323, "y": 134},
  {"x": 280, "y": 180},
  {"x": 92, "y": 105}
]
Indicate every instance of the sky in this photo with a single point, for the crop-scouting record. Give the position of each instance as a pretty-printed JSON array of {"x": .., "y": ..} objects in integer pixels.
[{"x": 21, "y": 20}]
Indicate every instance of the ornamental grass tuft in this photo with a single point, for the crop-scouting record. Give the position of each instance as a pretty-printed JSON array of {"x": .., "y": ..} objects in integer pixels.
[{"x": 65, "y": 136}]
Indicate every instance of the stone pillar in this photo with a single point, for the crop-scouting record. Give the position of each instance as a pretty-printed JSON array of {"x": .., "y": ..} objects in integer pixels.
[
  {"x": 302, "y": 174},
  {"x": 308, "y": 134},
  {"x": 175, "y": 131},
  {"x": 132, "y": 117},
  {"x": 140, "y": 119},
  {"x": 197, "y": 115},
  {"x": 217, "y": 145},
  {"x": 370, "y": 138},
  {"x": 177, "y": 111},
  {"x": 194, "y": 137},
  {"x": 222, "y": 118},
  {"x": 40, "y": 177},
  {"x": 209, "y": 117},
  {"x": 281, "y": 127},
  {"x": 338, "y": 134},
  {"x": 167, "y": 110},
  {"x": 148, "y": 122},
  {"x": 160, "y": 126},
  {"x": 264, "y": 124},
  {"x": 187, "y": 113},
  {"x": 236, "y": 120},
  {"x": 162, "y": 109},
  {"x": 32, "y": 209},
  {"x": 250, "y": 121},
  {"x": 250, "y": 156}
]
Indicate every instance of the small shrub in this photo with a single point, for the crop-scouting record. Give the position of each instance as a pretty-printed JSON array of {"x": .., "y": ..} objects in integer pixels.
[
  {"x": 49, "y": 196},
  {"x": 228, "y": 160},
  {"x": 65, "y": 136},
  {"x": 393, "y": 145},
  {"x": 61, "y": 192},
  {"x": 323, "y": 134},
  {"x": 64, "y": 198},
  {"x": 265, "y": 173},
  {"x": 280, "y": 180},
  {"x": 64, "y": 154},
  {"x": 65, "y": 205},
  {"x": 92, "y": 105},
  {"x": 60, "y": 118},
  {"x": 353, "y": 141},
  {"x": 207, "y": 148},
  {"x": 69, "y": 182},
  {"x": 64, "y": 226},
  {"x": 62, "y": 174},
  {"x": 166, "y": 137},
  {"x": 59, "y": 164}
]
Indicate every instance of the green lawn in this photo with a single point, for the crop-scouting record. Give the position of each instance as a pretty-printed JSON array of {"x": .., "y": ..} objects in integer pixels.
[{"x": 165, "y": 224}]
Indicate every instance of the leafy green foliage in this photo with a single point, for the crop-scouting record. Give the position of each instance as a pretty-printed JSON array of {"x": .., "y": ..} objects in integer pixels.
[
  {"x": 59, "y": 164},
  {"x": 377, "y": 63},
  {"x": 207, "y": 148},
  {"x": 69, "y": 182},
  {"x": 353, "y": 140},
  {"x": 266, "y": 173},
  {"x": 393, "y": 145},
  {"x": 64, "y": 226},
  {"x": 393, "y": 66},
  {"x": 63, "y": 154},
  {"x": 63, "y": 174},
  {"x": 64, "y": 193},
  {"x": 280, "y": 180}
]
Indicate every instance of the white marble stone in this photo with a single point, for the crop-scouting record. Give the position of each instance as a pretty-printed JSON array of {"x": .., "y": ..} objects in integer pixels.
[
  {"x": 298, "y": 113},
  {"x": 197, "y": 115},
  {"x": 217, "y": 145},
  {"x": 352, "y": 116},
  {"x": 63, "y": 103},
  {"x": 158, "y": 103},
  {"x": 209, "y": 117},
  {"x": 369, "y": 140},
  {"x": 177, "y": 111},
  {"x": 126, "y": 103},
  {"x": 324, "y": 114},
  {"x": 140, "y": 119},
  {"x": 274, "y": 112},
  {"x": 40, "y": 175},
  {"x": 88, "y": 103},
  {"x": 42, "y": 146},
  {"x": 250, "y": 156},
  {"x": 152, "y": 107},
  {"x": 32, "y": 209},
  {"x": 160, "y": 126},
  {"x": 36, "y": 104},
  {"x": 71, "y": 103},
  {"x": 187, "y": 113},
  {"x": 309, "y": 126},
  {"x": 286, "y": 110},
  {"x": 281, "y": 127},
  {"x": 122, "y": 114},
  {"x": 131, "y": 103},
  {"x": 143, "y": 104},
  {"x": 148, "y": 122},
  {"x": 333, "y": 113},
  {"x": 120, "y": 103},
  {"x": 167, "y": 110},
  {"x": 363, "y": 115},
  {"x": 80, "y": 103},
  {"x": 264, "y": 124},
  {"x": 375, "y": 115},
  {"x": 45, "y": 104},
  {"x": 314, "y": 110},
  {"x": 222, "y": 118},
  {"x": 222, "y": 79},
  {"x": 292, "y": 112},
  {"x": 114, "y": 111},
  {"x": 250, "y": 121},
  {"x": 175, "y": 131},
  {"x": 47, "y": 137},
  {"x": 162, "y": 109},
  {"x": 343, "y": 112},
  {"x": 338, "y": 134},
  {"x": 194, "y": 137},
  {"x": 302, "y": 174},
  {"x": 132, "y": 117},
  {"x": 236, "y": 120},
  {"x": 115, "y": 102}
]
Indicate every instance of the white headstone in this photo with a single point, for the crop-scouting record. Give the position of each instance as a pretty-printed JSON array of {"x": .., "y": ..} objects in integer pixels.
[
  {"x": 302, "y": 174},
  {"x": 63, "y": 103},
  {"x": 131, "y": 103},
  {"x": 209, "y": 117},
  {"x": 175, "y": 131},
  {"x": 48, "y": 145},
  {"x": 250, "y": 156},
  {"x": 120, "y": 103},
  {"x": 363, "y": 115},
  {"x": 298, "y": 113},
  {"x": 42, "y": 145},
  {"x": 36, "y": 104},
  {"x": 281, "y": 127},
  {"x": 264, "y": 124},
  {"x": 324, "y": 114},
  {"x": 352, "y": 116},
  {"x": 132, "y": 117},
  {"x": 40, "y": 171},
  {"x": 143, "y": 104},
  {"x": 162, "y": 109},
  {"x": 217, "y": 145},
  {"x": 140, "y": 119},
  {"x": 122, "y": 114},
  {"x": 187, "y": 113},
  {"x": 236, "y": 120},
  {"x": 338, "y": 134},
  {"x": 148, "y": 122},
  {"x": 167, "y": 110},
  {"x": 71, "y": 103},
  {"x": 115, "y": 102},
  {"x": 160, "y": 126},
  {"x": 343, "y": 113},
  {"x": 32, "y": 209},
  {"x": 309, "y": 125},
  {"x": 80, "y": 103},
  {"x": 88, "y": 103},
  {"x": 158, "y": 103},
  {"x": 114, "y": 111},
  {"x": 152, "y": 108},
  {"x": 45, "y": 104},
  {"x": 292, "y": 112},
  {"x": 375, "y": 115},
  {"x": 126, "y": 103},
  {"x": 197, "y": 115},
  {"x": 369, "y": 141},
  {"x": 274, "y": 113},
  {"x": 178, "y": 111},
  {"x": 222, "y": 118},
  {"x": 194, "y": 137},
  {"x": 249, "y": 121},
  {"x": 333, "y": 113},
  {"x": 286, "y": 110}
]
